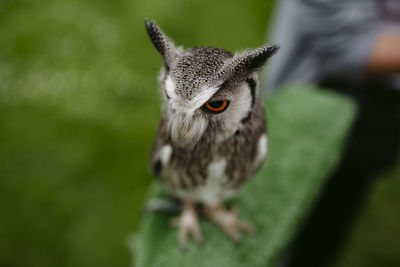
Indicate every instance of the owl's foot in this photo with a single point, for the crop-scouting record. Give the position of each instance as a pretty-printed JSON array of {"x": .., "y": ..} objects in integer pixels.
[
  {"x": 228, "y": 221},
  {"x": 187, "y": 225}
]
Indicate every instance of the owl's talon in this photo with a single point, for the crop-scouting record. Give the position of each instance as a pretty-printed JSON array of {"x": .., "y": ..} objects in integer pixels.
[
  {"x": 247, "y": 227},
  {"x": 235, "y": 211},
  {"x": 188, "y": 225},
  {"x": 229, "y": 222},
  {"x": 234, "y": 234}
]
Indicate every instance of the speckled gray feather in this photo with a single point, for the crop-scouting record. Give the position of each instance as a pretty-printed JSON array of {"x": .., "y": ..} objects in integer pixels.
[
  {"x": 161, "y": 42},
  {"x": 197, "y": 67}
]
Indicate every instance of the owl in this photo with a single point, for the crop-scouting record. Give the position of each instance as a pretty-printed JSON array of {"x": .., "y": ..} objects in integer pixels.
[{"x": 212, "y": 134}]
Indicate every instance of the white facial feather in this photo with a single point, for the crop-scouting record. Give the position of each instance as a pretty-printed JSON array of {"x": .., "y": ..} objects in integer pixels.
[
  {"x": 204, "y": 96},
  {"x": 185, "y": 105},
  {"x": 170, "y": 88},
  {"x": 240, "y": 106}
]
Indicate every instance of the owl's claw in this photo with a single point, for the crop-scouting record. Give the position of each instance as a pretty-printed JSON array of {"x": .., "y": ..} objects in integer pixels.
[
  {"x": 229, "y": 222},
  {"x": 187, "y": 225}
]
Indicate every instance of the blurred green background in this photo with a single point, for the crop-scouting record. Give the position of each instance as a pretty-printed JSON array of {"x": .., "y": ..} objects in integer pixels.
[{"x": 78, "y": 109}]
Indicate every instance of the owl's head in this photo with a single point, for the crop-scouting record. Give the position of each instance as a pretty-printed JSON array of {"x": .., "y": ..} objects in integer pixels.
[{"x": 207, "y": 92}]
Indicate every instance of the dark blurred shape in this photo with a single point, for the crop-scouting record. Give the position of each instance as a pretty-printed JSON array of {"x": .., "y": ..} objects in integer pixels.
[{"x": 352, "y": 47}]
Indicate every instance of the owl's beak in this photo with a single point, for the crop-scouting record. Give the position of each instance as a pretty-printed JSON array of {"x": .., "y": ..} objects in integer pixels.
[{"x": 187, "y": 131}]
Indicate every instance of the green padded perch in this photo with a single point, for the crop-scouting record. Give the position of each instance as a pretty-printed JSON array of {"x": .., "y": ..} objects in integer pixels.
[{"x": 306, "y": 130}]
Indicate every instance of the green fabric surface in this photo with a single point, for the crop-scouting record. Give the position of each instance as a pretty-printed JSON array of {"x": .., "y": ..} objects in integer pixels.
[{"x": 306, "y": 129}]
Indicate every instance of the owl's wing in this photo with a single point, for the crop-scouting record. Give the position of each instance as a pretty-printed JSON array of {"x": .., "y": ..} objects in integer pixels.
[
  {"x": 259, "y": 140},
  {"x": 159, "y": 144},
  {"x": 261, "y": 153}
]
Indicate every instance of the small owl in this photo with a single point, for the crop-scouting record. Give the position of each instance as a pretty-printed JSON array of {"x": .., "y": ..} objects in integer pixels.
[{"x": 212, "y": 135}]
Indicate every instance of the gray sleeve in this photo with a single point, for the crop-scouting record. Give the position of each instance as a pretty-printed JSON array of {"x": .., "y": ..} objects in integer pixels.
[{"x": 340, "y": 33}]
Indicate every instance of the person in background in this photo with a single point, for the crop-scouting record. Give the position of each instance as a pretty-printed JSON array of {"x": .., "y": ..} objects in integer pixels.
[{"x": 351, "y": 47}]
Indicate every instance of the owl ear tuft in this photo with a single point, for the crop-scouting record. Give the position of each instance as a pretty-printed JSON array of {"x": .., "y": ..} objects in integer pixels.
[
  {"x": 161, "y": 42},
  {"x": 242, "y": 64}
]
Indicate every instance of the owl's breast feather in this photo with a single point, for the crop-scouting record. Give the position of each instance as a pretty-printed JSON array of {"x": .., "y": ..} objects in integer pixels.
[{"x": 213, "y": 190}]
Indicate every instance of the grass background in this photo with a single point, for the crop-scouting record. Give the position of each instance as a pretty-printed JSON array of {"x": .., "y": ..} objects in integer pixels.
[{"x": 78, "y": 110}]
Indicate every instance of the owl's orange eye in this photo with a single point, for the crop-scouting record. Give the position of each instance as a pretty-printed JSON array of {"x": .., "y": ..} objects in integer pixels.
[{"x": 216, "y": 106}]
